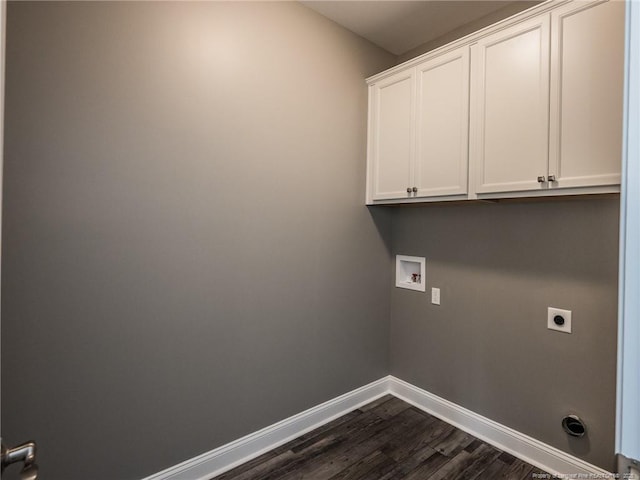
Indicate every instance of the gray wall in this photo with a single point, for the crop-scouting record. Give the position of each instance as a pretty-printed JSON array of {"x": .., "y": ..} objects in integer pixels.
[
  {"x": 187, "y": 257},
  {"x": 487, "y": 347},
  {"x": 186, "y": 253},
  {"x": 509, "y": 9}
]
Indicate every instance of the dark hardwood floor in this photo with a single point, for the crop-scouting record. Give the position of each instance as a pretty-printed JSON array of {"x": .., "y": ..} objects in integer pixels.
[{"x": 385, "y": 440}]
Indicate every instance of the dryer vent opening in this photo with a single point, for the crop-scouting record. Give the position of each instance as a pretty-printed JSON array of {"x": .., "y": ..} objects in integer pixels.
[{"x": 574, "y": 426}]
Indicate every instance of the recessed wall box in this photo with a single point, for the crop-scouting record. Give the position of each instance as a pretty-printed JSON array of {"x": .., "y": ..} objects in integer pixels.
[{"x": 410, "y": 272}]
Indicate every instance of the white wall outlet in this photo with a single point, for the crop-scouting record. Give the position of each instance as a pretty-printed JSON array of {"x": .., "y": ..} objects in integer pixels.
[
  {"x": 558, "y": 319},
  {"x": 435, "y": 296}
]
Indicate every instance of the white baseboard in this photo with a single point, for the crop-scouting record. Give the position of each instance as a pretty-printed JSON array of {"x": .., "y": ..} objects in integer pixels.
[
  {"x": 226, "y": 457},
  {"x": 530, "y": 450},
  {"x": 535, "y": 452}
]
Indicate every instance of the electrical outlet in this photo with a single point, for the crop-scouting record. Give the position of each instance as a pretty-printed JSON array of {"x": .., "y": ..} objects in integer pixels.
[
  {"x": 435, "y": 296},
  {"x": 558, "y": 319}
]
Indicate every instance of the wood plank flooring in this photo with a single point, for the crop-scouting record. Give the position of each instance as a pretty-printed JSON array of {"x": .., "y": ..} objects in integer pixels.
[{"x": 385, "y": 440}]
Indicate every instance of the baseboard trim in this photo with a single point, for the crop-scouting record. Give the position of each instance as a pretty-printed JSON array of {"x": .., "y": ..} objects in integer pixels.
[
  {"x": 528, "y": 449},
  {"x": 226, "y": 457}
]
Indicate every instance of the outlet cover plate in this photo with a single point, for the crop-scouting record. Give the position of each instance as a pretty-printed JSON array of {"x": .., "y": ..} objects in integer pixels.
[
  {"x": 566, "y": 314},
  {"x": 435, "y": 296}
]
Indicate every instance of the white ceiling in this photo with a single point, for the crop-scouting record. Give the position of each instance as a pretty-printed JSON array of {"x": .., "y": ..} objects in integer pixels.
[{"x": 400, "y": 25}]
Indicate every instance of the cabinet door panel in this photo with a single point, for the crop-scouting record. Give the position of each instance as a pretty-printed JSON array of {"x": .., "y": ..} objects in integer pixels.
[
  {"x": 510, "y": 110},
  {"x": 393, "y": 136},
  {"x": 587, "y": 55},
  {"x": 443, "y": 124}
]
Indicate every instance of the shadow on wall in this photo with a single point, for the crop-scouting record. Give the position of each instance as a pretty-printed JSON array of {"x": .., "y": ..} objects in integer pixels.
[
  {"x": 381, "y": 219},
  {"x": 518, "y": 237}
]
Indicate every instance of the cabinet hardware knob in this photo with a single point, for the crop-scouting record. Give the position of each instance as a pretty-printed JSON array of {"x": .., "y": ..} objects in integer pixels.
[
  {"x": 552, "y": 178},
  {"x": 415, "y": 189},
  {"x": 541, "y": 179},
  {"x": 408, "y": 189}
]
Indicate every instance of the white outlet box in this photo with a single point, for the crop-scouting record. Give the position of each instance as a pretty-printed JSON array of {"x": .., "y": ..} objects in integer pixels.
[
  {"x": 565, "y": 326},
  {"x": 435, "y": 296},
  {"x": 410, "y": 272}
]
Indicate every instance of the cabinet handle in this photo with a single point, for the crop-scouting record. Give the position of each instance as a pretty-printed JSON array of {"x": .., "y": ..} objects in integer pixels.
[
  {"x": 408, "y": 189},
  {"x": 552, "y": 178},
  {"x": 541, "y": 179},
  {"x": 415, "y": 189},
  {"x": 25, "y": 454}
]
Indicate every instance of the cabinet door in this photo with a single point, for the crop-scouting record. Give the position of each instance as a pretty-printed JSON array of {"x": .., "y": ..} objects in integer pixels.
[
  {"x": 587, "y": 65},
  {"x": 392, "y": 136},
  {"x": 442, "y": 124},
  {"x": 510, "y": 108}
]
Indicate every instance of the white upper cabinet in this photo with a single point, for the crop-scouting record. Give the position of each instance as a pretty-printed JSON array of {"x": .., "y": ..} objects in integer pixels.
[
  {"x": 587, "y": 65},
  {"x": 531, "y": 106},
  {"x": 509, "y": 116},
  {"x": 442, "y": 125},
  {"x": 418, "y": 130},
  {"x": 391, "y": 135}
]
